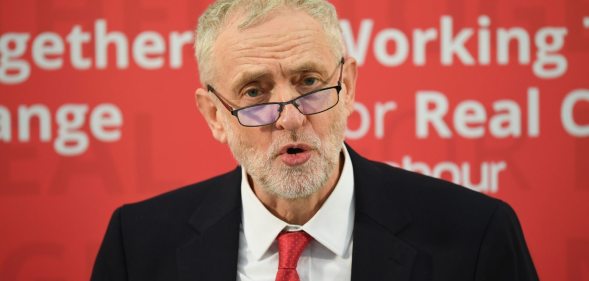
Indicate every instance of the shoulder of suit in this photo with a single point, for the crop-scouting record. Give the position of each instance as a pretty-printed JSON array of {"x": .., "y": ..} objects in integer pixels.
[
  {"x": 184, "y": 200},
  {"x": 422, "y": 194}
]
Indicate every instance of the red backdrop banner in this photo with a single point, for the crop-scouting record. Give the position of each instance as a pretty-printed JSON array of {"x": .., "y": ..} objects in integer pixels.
[{"x": 97, "y": 109}]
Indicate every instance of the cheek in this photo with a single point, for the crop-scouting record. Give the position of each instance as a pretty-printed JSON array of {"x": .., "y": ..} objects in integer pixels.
[
  {"x": 249, "y": 137},
  {"x": 326, "y": 126}
]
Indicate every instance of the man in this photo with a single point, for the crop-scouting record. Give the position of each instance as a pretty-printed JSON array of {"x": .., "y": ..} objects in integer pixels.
[{"x": 278, "y": 87}]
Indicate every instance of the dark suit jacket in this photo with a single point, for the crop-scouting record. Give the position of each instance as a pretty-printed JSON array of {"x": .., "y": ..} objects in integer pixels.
[{"x": 407, "y": 227}]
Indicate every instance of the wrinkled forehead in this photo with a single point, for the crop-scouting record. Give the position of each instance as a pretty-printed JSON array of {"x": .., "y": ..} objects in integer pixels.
[{"x": 284, "y": 41}]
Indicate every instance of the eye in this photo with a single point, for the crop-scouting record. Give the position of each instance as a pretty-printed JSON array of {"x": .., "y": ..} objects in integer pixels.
[
  {"x": 310, "y": 81},
  {"x": 252, "y": 92}
]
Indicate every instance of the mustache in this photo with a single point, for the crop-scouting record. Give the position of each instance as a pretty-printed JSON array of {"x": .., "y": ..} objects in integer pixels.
[{"x": 281, "y": 140}]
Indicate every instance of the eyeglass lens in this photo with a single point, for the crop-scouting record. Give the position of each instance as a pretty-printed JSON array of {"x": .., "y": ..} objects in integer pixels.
[{"x": 264, "y": 114}]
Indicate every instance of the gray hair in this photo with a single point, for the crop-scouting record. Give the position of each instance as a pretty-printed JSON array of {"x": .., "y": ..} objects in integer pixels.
[{"x": 213, "y": 19}]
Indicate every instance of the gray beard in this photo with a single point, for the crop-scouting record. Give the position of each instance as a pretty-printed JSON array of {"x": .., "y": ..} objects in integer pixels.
[{"x": 285, "y": 181}]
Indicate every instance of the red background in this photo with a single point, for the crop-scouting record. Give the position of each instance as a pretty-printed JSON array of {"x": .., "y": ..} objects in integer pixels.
[{"x": 54, "y": 209}]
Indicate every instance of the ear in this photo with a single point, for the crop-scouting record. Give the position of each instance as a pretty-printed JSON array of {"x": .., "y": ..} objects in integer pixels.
[
  {"x": 349, "y": 84},
  {"x": 212, "y": 115}
]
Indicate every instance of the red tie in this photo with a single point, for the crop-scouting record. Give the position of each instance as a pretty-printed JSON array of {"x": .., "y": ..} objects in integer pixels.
[{"x": 290, "y": 247}]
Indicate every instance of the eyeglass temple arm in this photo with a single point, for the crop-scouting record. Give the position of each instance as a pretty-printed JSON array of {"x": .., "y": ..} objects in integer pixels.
[
  {"x": 212, "y": 90},
  {"x": 339, "y": 80}
]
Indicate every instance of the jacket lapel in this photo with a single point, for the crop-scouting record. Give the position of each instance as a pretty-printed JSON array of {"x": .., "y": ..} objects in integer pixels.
[
  {"x": 211, "y": 253},
  {"x": 378, "y": 254}
]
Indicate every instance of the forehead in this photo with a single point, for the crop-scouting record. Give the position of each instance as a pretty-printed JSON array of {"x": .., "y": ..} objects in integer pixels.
[{"x": 286, "y": 40}]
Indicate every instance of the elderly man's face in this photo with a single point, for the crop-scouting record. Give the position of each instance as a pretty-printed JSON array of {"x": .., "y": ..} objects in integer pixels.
[{"x": 281, "y": 58}]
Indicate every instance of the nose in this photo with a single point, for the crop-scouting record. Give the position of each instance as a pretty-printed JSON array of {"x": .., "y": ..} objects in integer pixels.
[{"x": 290, "y": 118}]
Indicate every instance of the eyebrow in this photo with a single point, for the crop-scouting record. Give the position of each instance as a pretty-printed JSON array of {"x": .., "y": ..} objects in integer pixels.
[
  {"x": 307, "y": 67},
  {"x": 249, "y": 76}
]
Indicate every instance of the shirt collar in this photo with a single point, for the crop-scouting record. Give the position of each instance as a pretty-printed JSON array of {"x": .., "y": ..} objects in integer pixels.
[{"x": 331, "y": 226}]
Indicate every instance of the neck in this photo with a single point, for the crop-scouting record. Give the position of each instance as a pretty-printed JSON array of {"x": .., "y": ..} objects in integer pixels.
[{"x": 301, "y": 210}]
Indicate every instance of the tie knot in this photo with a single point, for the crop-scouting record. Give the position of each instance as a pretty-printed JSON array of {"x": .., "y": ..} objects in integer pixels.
[{"x": 290, "y": 247}]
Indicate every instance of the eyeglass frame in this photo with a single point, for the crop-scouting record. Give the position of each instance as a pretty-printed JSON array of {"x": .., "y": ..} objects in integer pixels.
[{"x": 234, "y": 111}]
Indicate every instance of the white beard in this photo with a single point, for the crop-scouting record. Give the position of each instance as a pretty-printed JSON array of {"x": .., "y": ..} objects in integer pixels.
[{"x": 285, "y": 181}]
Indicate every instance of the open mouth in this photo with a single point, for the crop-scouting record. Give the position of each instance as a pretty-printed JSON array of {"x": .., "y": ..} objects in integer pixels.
[
  {"x": 294, "y": 150},
  {"x": 295, "y": 154}
]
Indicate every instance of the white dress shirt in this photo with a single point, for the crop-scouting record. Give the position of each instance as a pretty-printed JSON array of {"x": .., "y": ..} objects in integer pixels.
[{"x": 327, "y": 257}]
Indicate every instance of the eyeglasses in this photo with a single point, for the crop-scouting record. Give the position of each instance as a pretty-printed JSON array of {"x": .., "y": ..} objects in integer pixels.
[{"x": 263, "y": 114}]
